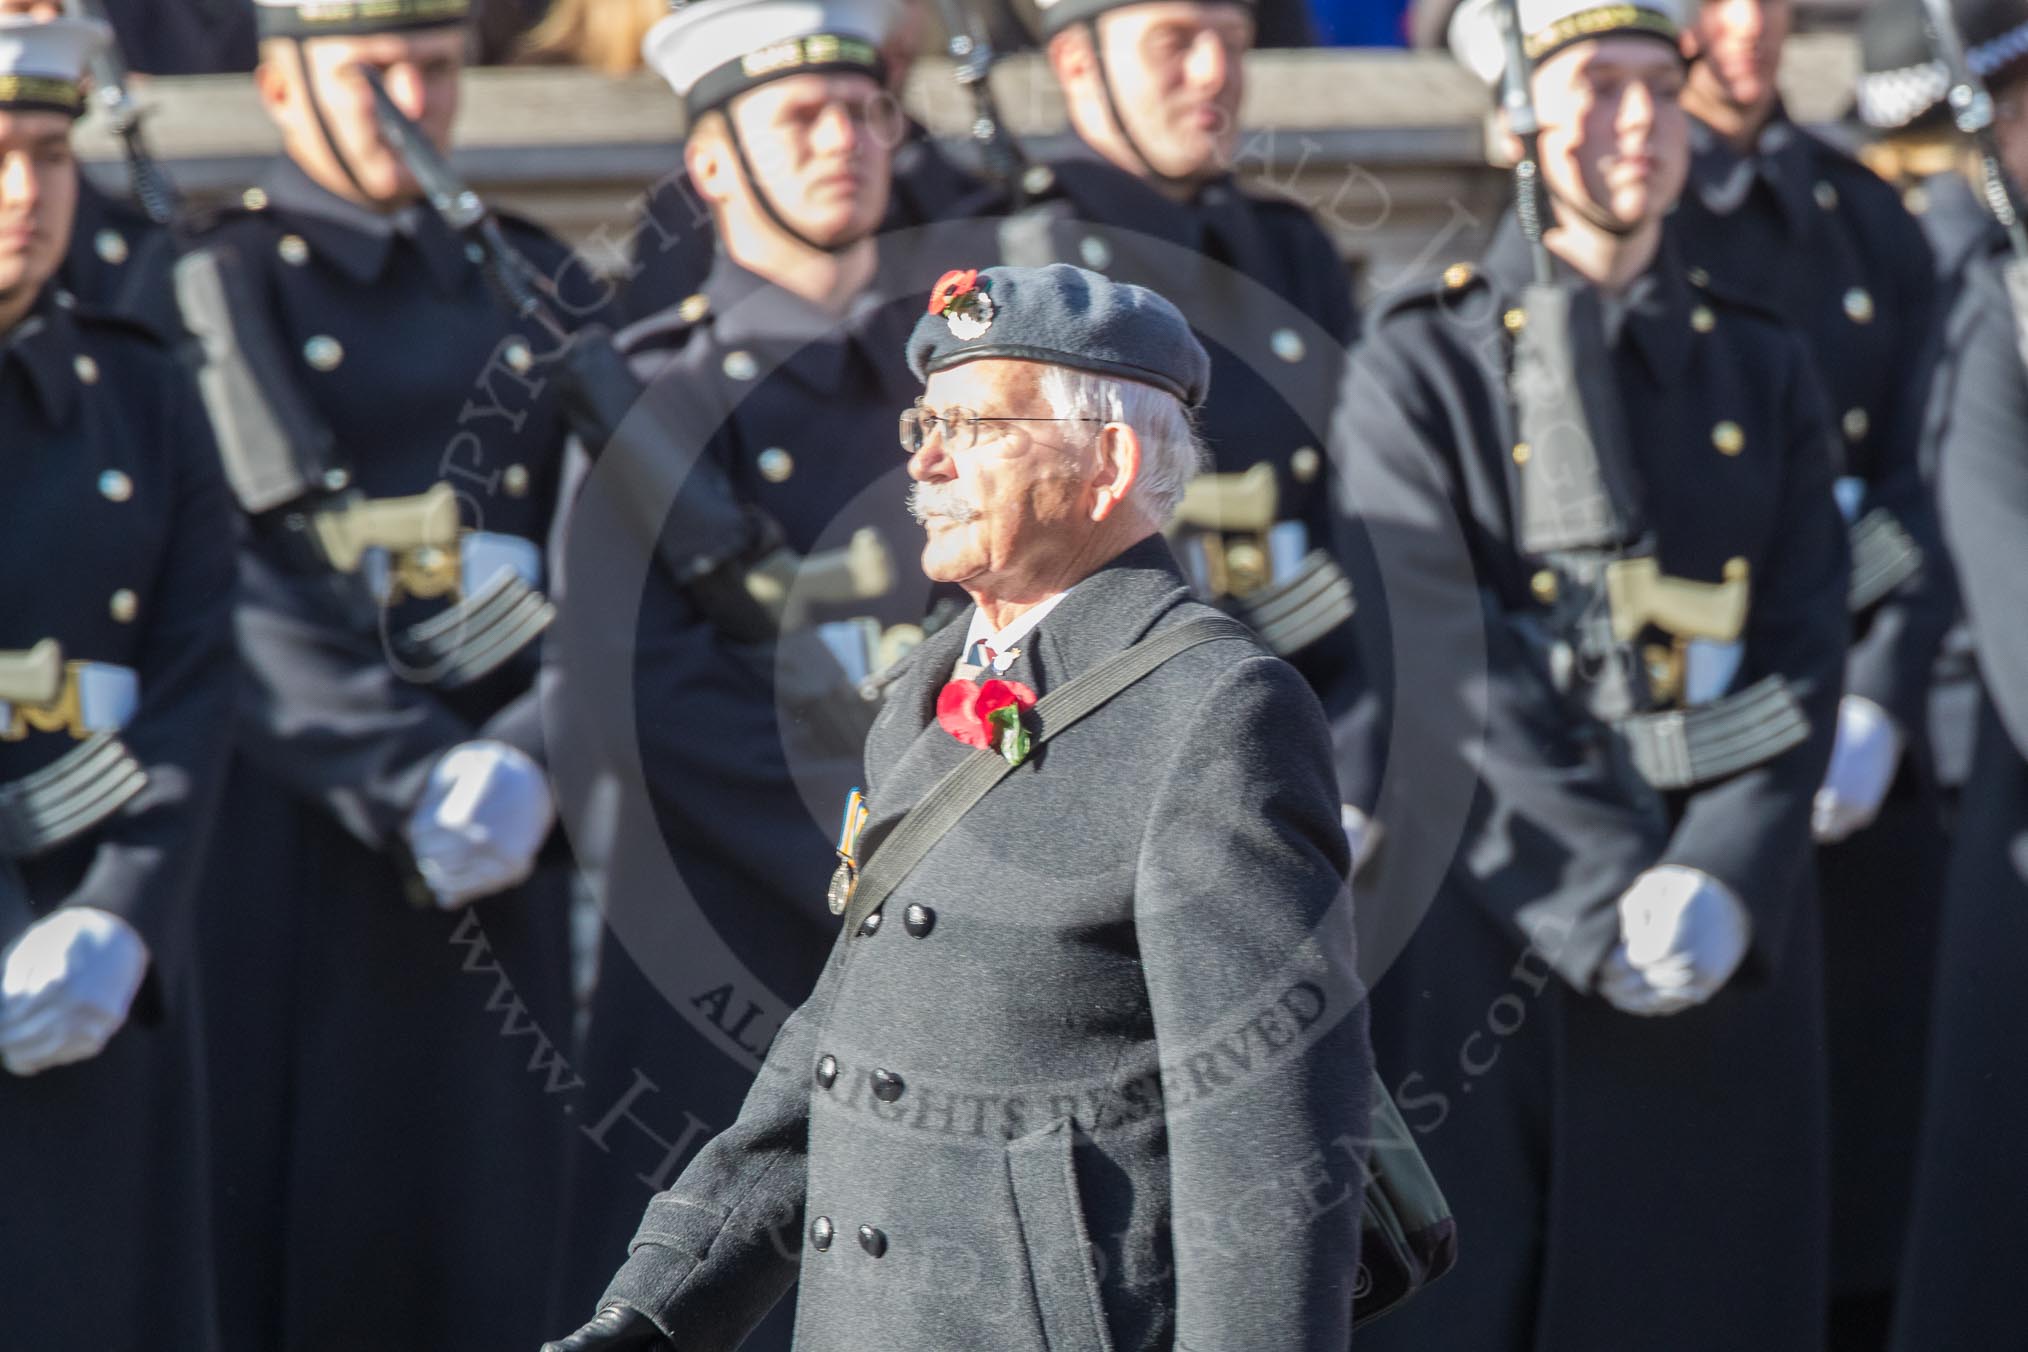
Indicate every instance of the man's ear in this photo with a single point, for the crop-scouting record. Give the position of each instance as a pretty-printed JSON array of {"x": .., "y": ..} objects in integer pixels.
[
  {"x": 1070, "y": 55},
  {"x": 1686, "y": 37},
  {"x": 274, "y": 78},
  {"x": 1119, "y": 468},
  {"x": 707, "y": 158}
]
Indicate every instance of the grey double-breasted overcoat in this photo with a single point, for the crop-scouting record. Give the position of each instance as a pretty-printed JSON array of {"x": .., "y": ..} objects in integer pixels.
[{"x": 1096, "y": 1077}]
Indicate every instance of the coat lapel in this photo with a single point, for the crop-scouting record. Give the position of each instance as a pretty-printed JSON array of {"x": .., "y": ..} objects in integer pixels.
[
  {"x": 907, "y": 752},
  {"x": 1102, "y": 616}
]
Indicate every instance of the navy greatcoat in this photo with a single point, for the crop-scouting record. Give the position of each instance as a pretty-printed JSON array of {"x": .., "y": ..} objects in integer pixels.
[
  {"x": 117, "y": 543},
  {"x": 388, "y": 1133},
  {"x": 1864, "y": 304},
  {"x": 1616, "y": 1180}
]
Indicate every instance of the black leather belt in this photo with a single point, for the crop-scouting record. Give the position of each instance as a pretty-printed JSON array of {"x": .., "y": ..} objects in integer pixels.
[
  {"x": 1292, "y": 614},
  {"x": 1683, "y": 748},
  {"x": 1883, "y": 557},
  {"x": 68, "y": 797},
  {"x": 476, "y": 636}
]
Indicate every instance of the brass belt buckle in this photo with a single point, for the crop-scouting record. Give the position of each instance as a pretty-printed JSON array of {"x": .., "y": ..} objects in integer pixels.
[
  {"x": 89, "y": 697},
  {"x": 1229, "y": 516},
  {"x": 425, "y": 572},
  {"x": 1248, "y": 564}
]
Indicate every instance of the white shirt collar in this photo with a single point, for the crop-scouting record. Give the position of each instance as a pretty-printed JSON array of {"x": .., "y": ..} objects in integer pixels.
[{"x": 1006, "y": 644}]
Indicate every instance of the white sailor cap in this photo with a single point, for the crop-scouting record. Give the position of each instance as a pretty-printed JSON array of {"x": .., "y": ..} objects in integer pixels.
[
  {"x": 1479, "y": 43},
  {"x": 42, "y": 62},
  {"x": 711, "y": 50},
  {"x": 349, "y": 18}
]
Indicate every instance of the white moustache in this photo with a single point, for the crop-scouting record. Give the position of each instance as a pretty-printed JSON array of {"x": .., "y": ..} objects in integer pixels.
[{"x": 928, "y": 500}]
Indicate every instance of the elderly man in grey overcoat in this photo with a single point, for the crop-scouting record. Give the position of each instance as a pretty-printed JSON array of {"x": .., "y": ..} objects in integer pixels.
[{"x": 1092, "y": 1074}]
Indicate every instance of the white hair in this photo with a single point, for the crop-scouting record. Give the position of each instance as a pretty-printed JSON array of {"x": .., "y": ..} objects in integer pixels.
[{"x": 1171, "y": 453}]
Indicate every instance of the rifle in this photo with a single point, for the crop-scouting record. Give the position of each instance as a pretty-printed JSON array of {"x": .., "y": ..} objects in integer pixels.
[
  {"x": 402, "y": 526},
  {"x": 972, "y": 58},
  {"x": 152, "y": 187},
  {"x": 1578, "y": 495},
  {"x": 32, "y": 675},
  {"x": 728, "y": 555}
]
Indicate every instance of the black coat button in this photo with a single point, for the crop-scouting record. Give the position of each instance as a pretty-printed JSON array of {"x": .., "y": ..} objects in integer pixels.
[
  {"x": 820, "y": 1233},
  {"x": 918, "y": 920},
  {"x": 872, "y": 1240},
  {"x": 870, "y": 923},
  {"x": 887, "y": 1086},
  {"x": 827, "y": 1070}
]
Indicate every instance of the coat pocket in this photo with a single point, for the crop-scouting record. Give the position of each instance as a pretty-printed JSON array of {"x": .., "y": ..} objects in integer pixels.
[{"x": 1043, "y": 1175}]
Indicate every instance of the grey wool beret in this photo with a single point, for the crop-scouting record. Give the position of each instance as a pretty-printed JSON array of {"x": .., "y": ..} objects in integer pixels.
[{"x": 1064, "y": 316}]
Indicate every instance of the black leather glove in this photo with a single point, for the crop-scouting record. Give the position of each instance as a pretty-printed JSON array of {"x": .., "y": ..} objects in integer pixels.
[{"x": 614, "y": 1329}]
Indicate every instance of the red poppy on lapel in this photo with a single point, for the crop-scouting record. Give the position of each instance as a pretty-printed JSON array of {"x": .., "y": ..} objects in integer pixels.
[{"x": 987, "y": 715}]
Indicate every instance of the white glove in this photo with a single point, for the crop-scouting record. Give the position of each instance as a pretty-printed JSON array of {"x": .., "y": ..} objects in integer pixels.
[
  {"x": 1682, "y": 936},
  {"x": 1863, "y": 760},
  {"x": 1359, "y": 833},
  {"x": 66, "y": 985},
  {"x": 481, "y": 822}
]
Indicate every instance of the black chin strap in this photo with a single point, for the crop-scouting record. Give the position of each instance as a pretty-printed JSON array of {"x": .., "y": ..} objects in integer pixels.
[
  {"x": 323, "y": 123},
  {"x": 1105, "y": 80},
  {"x": 1592, "y": 212},
  {"x": 767, "y": 203}
]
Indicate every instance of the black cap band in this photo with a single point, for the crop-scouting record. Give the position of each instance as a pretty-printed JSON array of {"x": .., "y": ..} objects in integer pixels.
[
  {"x": 41, "y": 94},
  {"x": 1068, "y": 13},
  {"x": 352, "y": 18},
  {"x": 1600, "y": 22},
  {"x": 817, "y": 54}
]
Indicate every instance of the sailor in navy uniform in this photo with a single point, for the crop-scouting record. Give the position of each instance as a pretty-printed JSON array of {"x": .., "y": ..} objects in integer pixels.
[
  {"x": 1612, "y": 664},
  {"x": 392, "y": 970},
  {"x": 116, "y": 658},
  {"x": 1955, "y": 1287},
  {"x": 785, "y": 372},
  {"x": 1764, "y": 194},
  {"x": 1149, "y": 197},
  {"x": 675, "y": 243},
  {"x": 119, "y": 260}
]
